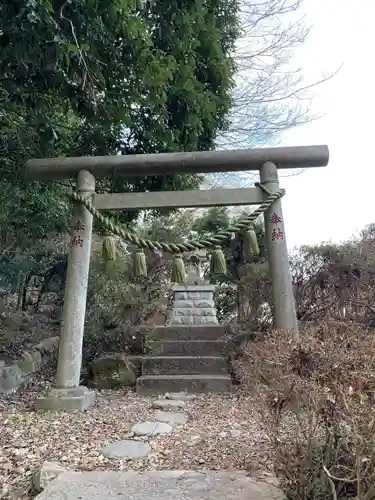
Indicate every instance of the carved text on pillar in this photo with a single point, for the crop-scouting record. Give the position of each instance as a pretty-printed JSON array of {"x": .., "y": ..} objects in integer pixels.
[
  {"x": 78, "y": 226},
  {"x": 77, "y": 240},
  {"x": 277, "y": 234},
  {"x": 275, "y": 219}
]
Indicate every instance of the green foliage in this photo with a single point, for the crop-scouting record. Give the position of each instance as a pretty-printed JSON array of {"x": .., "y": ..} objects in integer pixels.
[
  {"x": 175, "y": 227},
  {"x": 244, "y": 272},
  {"x": 218, "y": 218},
  {"x": 94, "y": 77},
  {"x": 194, "y": 36},
  {"x": 235, "y": 287},
  {"x": 215, "y": 219},
  {"x": 105, "y": 288}
]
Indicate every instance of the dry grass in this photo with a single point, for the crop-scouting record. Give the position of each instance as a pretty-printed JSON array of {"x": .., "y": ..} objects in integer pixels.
[{"x": 325, "y": 388}]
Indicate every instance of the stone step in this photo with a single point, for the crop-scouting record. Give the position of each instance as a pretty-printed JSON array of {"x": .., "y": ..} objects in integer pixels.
[
  {"x": 160, "y": 485},
  {"x": 207, "y": 332},
  {"x": 177, "y": 365},
  {"x": 160, "y": 384},
  {"x": 186, "y": 347}
]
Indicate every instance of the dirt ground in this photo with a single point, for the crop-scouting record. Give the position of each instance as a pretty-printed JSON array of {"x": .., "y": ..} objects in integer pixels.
[{"x": 222, "y": 432}]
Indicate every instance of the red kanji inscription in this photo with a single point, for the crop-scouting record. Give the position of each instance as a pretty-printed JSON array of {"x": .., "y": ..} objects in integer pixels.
[
  {"x": 275, "y": 219},
  {"x": 77, "y": 241},
  {"x": 79, "y": 226},
  {"x": 277, "y": 235}
]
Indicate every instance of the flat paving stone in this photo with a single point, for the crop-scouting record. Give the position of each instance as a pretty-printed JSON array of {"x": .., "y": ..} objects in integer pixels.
[
  {"x": 179, "y": 396},
  {"x": 151, "y": 428},
  {"x": 158, "y": 485},
  {"x": 126, "y": 449},
  {"x": 168, "y": 404},
  {"x": 171, "y": 417}
]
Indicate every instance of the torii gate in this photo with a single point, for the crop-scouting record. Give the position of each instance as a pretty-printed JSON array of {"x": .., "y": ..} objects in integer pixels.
[{"x": 68, "y": 394}]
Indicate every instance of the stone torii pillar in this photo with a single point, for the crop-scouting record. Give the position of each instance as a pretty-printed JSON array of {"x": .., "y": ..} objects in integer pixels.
[
  {"x": 68, "y": 394},
  {"x": 284, "y": 308}
]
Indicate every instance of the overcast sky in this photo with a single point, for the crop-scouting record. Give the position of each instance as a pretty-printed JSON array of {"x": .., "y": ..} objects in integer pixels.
[{"x": 335, "y": 202}]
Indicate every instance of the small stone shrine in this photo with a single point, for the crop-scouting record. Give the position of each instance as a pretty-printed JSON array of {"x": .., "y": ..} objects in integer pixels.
[{"x": 193, "y": 300}]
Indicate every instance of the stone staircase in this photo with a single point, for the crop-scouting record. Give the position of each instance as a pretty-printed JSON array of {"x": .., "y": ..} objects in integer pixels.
[{"x": 186, "y": 359}]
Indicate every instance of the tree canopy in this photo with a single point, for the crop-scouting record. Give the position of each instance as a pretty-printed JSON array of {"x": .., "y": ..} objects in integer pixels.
[{"x": 95, "y": 77}]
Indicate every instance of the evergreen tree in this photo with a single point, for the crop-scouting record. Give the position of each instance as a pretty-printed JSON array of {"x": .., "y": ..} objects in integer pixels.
[{"x": 95, "y": 77}]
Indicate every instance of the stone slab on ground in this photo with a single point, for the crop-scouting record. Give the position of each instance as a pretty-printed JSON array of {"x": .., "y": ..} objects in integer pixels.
[
  {"x": 47, "y": 473},
  {"x": 179, "y": 396},
  {"x": 126, "y": 449},
  {"x": 160, "y": 485},
  {"x": 168, "y": 404},
  {"x": 151, "y": 429},
  {"x": 171, "y": 417}
]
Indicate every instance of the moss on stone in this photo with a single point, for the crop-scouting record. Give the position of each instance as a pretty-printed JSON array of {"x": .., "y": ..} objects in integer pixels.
[{"x": 113, "y": 371}]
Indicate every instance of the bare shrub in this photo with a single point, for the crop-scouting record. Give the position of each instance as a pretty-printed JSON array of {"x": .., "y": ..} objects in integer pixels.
[
  {"x": 335, "y": 281},
  {"x": 321, "y": 415},
  {"x": 330, "y": 282}
]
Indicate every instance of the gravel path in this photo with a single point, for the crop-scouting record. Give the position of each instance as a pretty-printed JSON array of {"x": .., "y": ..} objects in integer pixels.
[{"x": 222, "y": 432}]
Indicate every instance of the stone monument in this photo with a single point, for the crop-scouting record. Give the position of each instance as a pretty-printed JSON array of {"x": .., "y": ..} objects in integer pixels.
[{"x": 193, "y": 300}]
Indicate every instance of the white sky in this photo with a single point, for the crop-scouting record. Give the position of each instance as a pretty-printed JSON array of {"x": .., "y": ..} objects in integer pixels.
[{"x": 335, "y": 202}]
